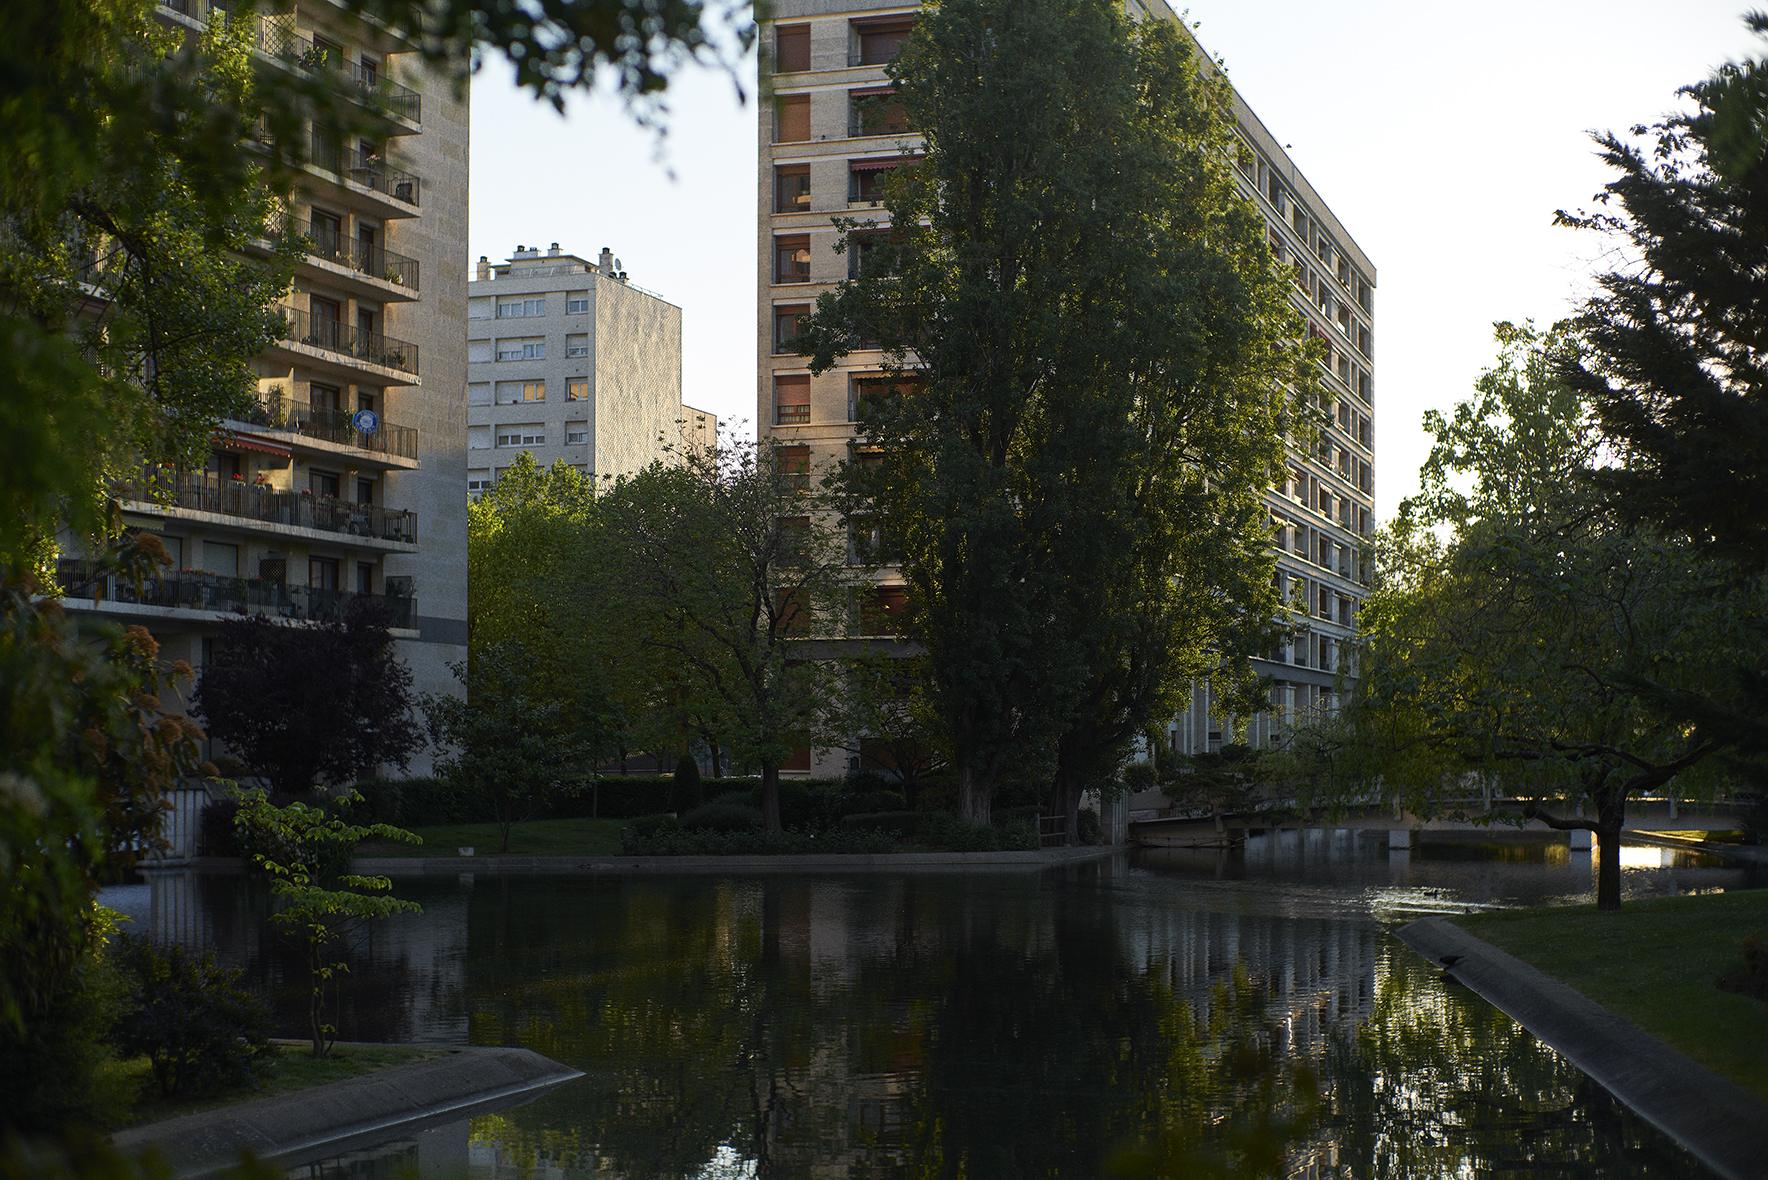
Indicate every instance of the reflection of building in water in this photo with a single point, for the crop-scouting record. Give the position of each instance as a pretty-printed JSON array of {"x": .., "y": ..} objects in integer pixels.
[
  {"x": 439, "y": 1153},
  {"x": 408, "y": 973}
]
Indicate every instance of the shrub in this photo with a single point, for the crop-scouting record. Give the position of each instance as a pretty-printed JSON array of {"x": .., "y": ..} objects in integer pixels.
[
  {"x": 217, "y": 835},
  {"x": 722, "y": 817},
  {"x": 684, "y": 790},
  {"x": 649, "y": 827},
  {"x": 1752, "y": 978},
  {"x": 190, "y": 1018},
  {"x": 1086, "y": 826},
  {"x": 899, "y": 823},
  {"x": 665, "y": 841}
]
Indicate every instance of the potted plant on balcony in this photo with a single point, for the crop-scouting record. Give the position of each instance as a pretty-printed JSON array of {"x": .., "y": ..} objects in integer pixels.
[
  {"x": 397, "y": 278},
  {"x": 394, "y": 359}
]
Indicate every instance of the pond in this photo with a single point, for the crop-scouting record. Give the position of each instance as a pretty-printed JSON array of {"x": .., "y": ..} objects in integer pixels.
[{"x": 1151, "y": 1014}]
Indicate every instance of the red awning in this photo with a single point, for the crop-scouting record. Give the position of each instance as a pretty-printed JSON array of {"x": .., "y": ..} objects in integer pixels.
[{"x": 250, "y": 442}]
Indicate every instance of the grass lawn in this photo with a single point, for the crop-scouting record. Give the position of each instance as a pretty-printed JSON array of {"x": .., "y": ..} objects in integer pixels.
[
  {"x": 542, "y": 837},
  {"x": 1655, "y": 963},
  {"x": 294, "y": 1070}
]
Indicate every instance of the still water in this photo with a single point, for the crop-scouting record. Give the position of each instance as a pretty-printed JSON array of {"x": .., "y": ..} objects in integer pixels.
[{"x": 1164, "y": 1013}]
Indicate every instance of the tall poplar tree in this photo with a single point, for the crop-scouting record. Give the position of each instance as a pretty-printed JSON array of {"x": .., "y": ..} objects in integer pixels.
[{"x": 1094, "y": 350}]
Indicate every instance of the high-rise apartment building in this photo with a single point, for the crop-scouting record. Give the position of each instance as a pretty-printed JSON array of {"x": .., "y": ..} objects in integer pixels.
[
  {"x": 568, "y": 360},
  {"x": 834, "y": 130},
  {"x": 345, "y": 481}
]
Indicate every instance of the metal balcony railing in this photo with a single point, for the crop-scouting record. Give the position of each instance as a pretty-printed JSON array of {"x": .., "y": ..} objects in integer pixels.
[
  {"x": 199, "y": 590},
  {"x": 201, "y": 492},
  {"x": 337, "y": 336},
  {"x": 363, "y": 168},
  {"x": 334, "y": 426},
  {"x": 375, "y": 261},
  {"x": 276, "y": 39}
]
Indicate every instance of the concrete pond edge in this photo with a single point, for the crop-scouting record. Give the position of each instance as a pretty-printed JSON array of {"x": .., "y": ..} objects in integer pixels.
[
  {"x": 814, "y": 862},
  {"x": 1719, "y": 1122},
  {"x": 293, "y": 1129}
]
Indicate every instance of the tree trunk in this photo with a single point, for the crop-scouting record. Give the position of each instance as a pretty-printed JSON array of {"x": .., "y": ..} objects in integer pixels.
[
  {"x": 716, "y": 771},
  {"x": 770, "y": 796},
  {"x": 1608, "y": 868},
  {"x": 975, "y": 797},
  {"x": 1065, "y": 802}
]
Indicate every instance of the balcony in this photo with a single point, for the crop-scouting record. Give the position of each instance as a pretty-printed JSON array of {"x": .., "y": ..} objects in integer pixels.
[
  {"x": 366, "y": 85},
  {"x": 376, "y": 262},
  {"x": 365, "y": 169},
  {"x": 334, "y": 426},
  {"x": 339, "y": 338},
  {"x": 197, "y": 590},
  {"x": 248, "y": 502}
]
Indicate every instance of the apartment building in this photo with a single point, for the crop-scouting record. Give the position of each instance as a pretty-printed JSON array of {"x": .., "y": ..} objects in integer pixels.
[
  {"x": 834, "y": 130},
  {"x": 568, "y": 360},
  {"x": 344, "y": 482}
]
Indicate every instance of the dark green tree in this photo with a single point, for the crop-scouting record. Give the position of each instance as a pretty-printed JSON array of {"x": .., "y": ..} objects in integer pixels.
[
  {"x": 1094, "y": 348},
  {"x": 722, "y": 569},
  {"x": 1516, "y": 622}
]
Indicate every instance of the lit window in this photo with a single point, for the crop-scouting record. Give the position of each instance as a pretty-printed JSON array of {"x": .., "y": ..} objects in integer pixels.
[
  {"x": 577, "y": 390},
  {"x": 792, "y": 259},
  {"x": 792, "y": 189},
  {"x": 533, "y": 391}
]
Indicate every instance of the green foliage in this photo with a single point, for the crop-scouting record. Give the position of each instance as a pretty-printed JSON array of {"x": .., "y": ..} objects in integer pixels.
[
  {"x": 901, "y": 824},
  {"x": 317, "y": 903},
  {"x": 1523, "y": 644},
  {"x": 666, "y": 839},
  {"x": 1098, "y": 345},
  {"x": 684, "y": 789},
  {"x": 188, "y": 1015},
  {"x": 513, "y": 747},
  {"x": 722, "y": 817}
]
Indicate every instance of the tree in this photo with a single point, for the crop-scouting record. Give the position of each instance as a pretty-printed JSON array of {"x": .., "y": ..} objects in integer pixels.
[
  {"x": 315, "y": 701},
  {"x": 722, "y": 569},
  {"x": 517, "y": 743},
  {"x": 1092, "y": 345},
  {"x": 302, "y": 847},
  {"x": 1516, "y": 645}
]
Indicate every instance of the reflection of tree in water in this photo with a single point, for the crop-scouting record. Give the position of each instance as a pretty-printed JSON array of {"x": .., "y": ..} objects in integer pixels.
[{"x": 944, "y": 1029}]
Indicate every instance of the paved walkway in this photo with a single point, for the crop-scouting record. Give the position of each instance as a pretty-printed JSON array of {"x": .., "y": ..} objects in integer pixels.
[
  {"x": 818, "y": 862},
  {"x": 325, "y": 1121},
  {"x": 1721, "y": 1123}
]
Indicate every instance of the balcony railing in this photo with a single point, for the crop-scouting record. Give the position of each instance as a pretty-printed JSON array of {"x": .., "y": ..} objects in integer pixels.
[
  {"x": 199, "y": 590},
  {"x": 334, "y": 426},
  {"x": 337, "y": 336},
  {"x": 277, "y": 40},
  {"x": 363, "y": 258},
  {"x": 207, "y": 493},
  {"x": 369, "y": 171}
]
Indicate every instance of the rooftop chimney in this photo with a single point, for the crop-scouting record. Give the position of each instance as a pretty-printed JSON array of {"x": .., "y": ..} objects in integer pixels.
[
  {"x": 605, "y": 263},
  {"x": 554, "y": 251},
  {"x": 484, "y": 268}
]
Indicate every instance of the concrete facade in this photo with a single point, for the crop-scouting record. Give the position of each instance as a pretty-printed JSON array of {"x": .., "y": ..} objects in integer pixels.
[
  {"x": 345, "y": 481},
  {"x": 569, "y": 361},
  {"x": 821, "y": 144}
]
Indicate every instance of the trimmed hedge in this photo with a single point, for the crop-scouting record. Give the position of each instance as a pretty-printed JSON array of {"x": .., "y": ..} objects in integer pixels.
[{"x": 662, "y": 836}]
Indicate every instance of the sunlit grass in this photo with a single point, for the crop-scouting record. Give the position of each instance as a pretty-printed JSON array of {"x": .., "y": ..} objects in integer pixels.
[
  {"x": 544, "y": 837},
  {"x": 1655, "y": 963},
  {"x": 295, "y": 1069}
]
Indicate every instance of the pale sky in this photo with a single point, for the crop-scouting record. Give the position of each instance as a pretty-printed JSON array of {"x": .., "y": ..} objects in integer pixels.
[{"x": 1443, "y": 136}]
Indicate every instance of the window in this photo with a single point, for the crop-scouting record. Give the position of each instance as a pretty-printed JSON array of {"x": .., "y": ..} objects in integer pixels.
[
  {"x": 791, "y": 49},
  {"x": 794, "y": 468},
  {"x": 364, "y": 578},
  {"x": 1279, "y": 202},
  {"x": 221, "y": 559},
  {"x": 532, "y": 349},
  {"x": 792, "y": 258},
  {"x": 577, "y": 303},
  {"x": 1344, "y": 317},
  {"x": 324, "y": 397},
  {"x": 478, "y": 438},
  {"x": 792, "y": 189},
  {"x": 577, "y": 346},
  {"x": 322, "y": 573},
  {"x": 882, "y": 609},
  {"x": 1365, "y": 298},
  {"x": 521, "y": 436},
  {"x": 479, "y": 352},
  {"x": 478, "y": 481},
  {"x": 1364, "y": 342},
  {"x": 1298, "y": 221},
  {"x": 515, "y": 309},
  {"x": 865, "y": 178},
  {"x": 792, "y": 399},
  {"x": 479, "y": 393},
  {"x": 878, "y": 40},
  {"x": 870, "y": 542},
  {"x": 872, "y": 391},
  {"x": 533, "y": 391},
  {"x": 785, "y": 319},
  {"x": 323, "y": 483},
  {"x": 479, "y": 309},
  {"x": 577, "y": 389},
  {"x": 1365, "y": 387},
  {"x": 876, "y": 111},
  {"x": 792, "y": 119},
  {"x": 576, "y": 434},
  {"x": 1344, "y": 368}
]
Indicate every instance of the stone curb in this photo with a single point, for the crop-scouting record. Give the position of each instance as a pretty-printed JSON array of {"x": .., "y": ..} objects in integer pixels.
[
  {"x": 1721, "y": 1123},
  {"x": 292, "y": 1129},
  {"x": 822, "y": 862}
]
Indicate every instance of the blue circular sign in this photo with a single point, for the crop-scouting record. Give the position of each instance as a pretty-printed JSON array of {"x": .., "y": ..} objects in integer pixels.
[{"x": 367, "y": 421}]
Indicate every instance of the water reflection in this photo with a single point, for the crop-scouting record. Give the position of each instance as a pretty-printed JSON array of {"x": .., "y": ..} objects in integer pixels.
[{"x": 1182, "y": 1014}]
